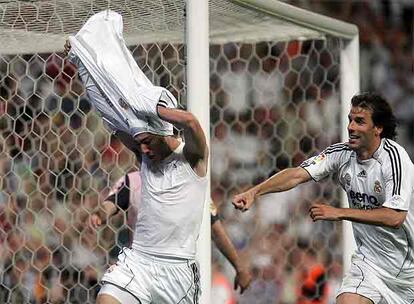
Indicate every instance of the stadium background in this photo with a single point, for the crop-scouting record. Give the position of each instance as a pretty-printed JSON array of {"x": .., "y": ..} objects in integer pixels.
[{"x": 272, "y": 106}]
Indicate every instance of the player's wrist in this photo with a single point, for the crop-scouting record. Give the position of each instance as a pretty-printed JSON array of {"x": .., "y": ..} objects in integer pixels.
[
  {"x": 240, "y": 268},
  {"x": 342, "y": 213},
  {"x": 255, "y": 191},
  {"x": 109, "y": 208}
]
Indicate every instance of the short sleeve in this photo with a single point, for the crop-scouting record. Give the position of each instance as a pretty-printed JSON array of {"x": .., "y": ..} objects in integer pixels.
[
  {"x": 167, "y": 100},
  {"x": 398, "y": 173},
  {"x": 327, "y": 162},
  {"x": 120, "y": 183},
  {"x": 120, "y": 193}
]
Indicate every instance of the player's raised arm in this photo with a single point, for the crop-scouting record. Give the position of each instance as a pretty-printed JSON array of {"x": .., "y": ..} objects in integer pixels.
[
  {"x": 281, "y": 181},
  {"x": 195, "y": 150}
]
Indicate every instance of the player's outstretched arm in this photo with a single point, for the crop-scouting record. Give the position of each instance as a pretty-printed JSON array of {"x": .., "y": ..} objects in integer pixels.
[
  {"x": 223, "y": 243},
  {"x": 195, "y": 150},
  {"x": 383, "y": 216},
  {"x": 281, "y": 181}
]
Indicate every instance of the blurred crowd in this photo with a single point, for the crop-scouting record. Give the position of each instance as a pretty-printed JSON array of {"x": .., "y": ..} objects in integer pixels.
[
  {"x": 272, "y": 106},
  {"x": 56, "y": 164},
  {"x": 386, "y": 35}
]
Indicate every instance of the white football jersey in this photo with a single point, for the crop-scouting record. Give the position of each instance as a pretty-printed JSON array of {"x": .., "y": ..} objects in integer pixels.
[
  {"x": 171, "y": 207},
  {"x": 124, "y": 97},
  {"x": 385, "y": 180}
]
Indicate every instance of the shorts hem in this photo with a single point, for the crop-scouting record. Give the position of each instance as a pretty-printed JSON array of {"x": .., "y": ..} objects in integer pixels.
[
  {"x": 121, "y": 288},
  {"x": 355, "y": 292}
]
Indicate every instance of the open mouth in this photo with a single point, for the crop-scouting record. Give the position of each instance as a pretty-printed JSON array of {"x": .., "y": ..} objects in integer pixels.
[{"x": 353, "y": 137}]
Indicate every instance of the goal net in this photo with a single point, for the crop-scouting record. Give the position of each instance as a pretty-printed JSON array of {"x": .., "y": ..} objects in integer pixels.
[{"x": 277, "y": 90}]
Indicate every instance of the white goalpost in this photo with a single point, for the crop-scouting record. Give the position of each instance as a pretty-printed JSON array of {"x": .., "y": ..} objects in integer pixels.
[
  {"x": 197, "y": 41},
  {"x": 250, "y": 70}
]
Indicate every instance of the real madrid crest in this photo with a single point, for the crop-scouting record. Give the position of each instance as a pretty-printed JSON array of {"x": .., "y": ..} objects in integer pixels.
[
  {"x": 123, "y": 103},
  {"x": 377, "y": 187}
]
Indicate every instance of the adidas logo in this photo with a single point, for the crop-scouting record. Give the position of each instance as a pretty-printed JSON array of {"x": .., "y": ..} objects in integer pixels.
[{"x": 362, "y": 174}]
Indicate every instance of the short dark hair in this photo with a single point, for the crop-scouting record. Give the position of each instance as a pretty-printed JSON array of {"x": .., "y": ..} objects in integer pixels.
[{"x": 382, "y": 114}]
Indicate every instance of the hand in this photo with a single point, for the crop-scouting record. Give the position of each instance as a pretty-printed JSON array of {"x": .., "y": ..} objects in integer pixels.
[
  {"x": 324, "y": 212},
  {"x": 67, "y": 48},
  {"x": 100, "y": 217},
  {"x": 243, "y": 279},
  {"x": 244, "y": 200},
  {"x": 94, "y": 221}
]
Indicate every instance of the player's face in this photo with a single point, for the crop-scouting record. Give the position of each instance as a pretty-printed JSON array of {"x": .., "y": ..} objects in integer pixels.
[
  {"x": 363, "y": 134},
  {"x": 151, "y": 145}
]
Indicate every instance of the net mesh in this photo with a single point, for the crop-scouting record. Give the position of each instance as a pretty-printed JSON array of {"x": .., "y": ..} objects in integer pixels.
[
  {"x": 42, "y": 26},
  {"x": 274, "y": 102},
  {"x": 57, "y": 163},
  {"x": 273, "y": 105}
]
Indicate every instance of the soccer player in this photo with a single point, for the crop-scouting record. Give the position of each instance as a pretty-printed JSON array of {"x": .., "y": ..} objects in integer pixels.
[
  {"x": 160, "y": 267},
  {"x": 126, "y": 195},
  {"x": 377, "y": 175}
]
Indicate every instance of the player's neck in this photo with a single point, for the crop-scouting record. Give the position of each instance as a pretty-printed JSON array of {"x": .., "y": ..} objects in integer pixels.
[{"x": 364, "y": 154}]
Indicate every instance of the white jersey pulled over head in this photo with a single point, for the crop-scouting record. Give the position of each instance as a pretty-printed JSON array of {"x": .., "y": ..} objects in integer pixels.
[
  {"x": 385, "y": 180},
  {"x": 117, "y": 88}
]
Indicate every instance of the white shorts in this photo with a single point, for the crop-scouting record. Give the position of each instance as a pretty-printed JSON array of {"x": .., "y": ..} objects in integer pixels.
[
  {"x": 141, "y": 278},
  {"x": 363, "y": 280}
]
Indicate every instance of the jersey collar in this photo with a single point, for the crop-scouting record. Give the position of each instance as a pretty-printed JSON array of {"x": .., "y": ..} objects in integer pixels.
[
  {"x": 374, "y": 156},
  {"x": 377, "y": 153}
]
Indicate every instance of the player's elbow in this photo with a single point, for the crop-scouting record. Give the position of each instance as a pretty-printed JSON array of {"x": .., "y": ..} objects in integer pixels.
[
  {"x": 394, "y": 225},
  {"x": 397, "y": 220},
  {"x": 190, "y": 121},
  {"x": 397, "y": 223}
]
